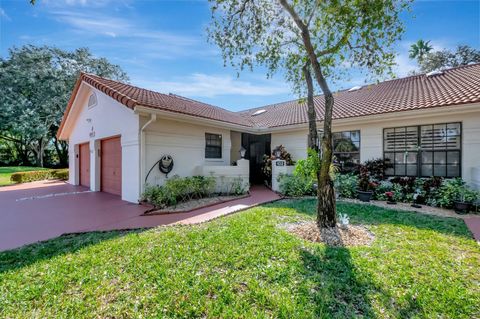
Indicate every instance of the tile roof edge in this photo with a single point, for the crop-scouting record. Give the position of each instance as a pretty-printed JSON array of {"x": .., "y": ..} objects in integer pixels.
[
  {"x": 380, "y": 113},
  {"x": 192, "y": 115},
  {"x": 248, "y": 110},
  {"x": 128, "y": 102}
]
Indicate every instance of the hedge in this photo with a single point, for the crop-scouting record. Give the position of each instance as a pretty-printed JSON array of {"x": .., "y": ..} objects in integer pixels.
[{"x": 24, "y": 177}]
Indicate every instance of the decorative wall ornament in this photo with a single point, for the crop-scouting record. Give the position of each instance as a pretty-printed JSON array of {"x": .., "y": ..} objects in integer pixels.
[{"x": 165, "y": 164}]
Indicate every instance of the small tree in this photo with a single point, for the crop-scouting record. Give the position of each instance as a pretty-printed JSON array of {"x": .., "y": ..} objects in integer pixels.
[{"x": 303, "y": 36}]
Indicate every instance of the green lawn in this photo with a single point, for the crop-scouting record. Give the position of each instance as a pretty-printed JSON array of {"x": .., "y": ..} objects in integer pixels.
[
  {"x": 245, "y": 266},
  {"x": 6, "y": 171}
]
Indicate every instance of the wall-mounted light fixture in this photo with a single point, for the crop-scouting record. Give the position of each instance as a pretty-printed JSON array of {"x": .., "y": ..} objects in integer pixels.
[
  {"x": 242, "y": 152},
  {"x": 277, "y": 152}
]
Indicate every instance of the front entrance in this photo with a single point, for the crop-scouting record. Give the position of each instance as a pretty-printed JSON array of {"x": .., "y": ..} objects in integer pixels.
[
  {"x": 111, "y": 166},
  {"x": 257, "y": 146}
]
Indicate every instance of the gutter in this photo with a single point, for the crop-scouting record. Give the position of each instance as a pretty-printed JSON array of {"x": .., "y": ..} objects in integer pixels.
[{"x": 153, "y": 118}]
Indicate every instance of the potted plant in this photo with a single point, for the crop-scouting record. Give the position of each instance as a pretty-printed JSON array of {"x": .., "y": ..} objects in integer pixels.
[
  {"x": 365, "y": 186},
  {"x": 390, "y": 199},
  {"x": 464, "y": 200},
  {"x": 416, "y": 197}
]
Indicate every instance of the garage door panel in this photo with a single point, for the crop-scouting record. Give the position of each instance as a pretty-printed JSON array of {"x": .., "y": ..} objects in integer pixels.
[
  {"x": 111, "y": 167},
  {"x": 84, "y": 164}
]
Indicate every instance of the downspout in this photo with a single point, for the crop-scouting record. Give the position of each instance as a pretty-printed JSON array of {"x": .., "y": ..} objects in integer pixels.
[{"x": 153, "y": 118}]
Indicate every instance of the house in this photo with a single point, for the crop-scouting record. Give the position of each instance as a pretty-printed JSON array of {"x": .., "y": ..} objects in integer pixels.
[{"x": 424, "y": 125}]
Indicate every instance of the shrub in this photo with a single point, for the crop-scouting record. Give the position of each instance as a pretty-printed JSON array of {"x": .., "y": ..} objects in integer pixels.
[
  {"x": 308, "y": 168},
  {"x": 376, "y": 168},
  {"x": 32, "y": 176},
  {"x": 346, "y": 185},
  {"x": 295, "y": 186},
  {"x": 178, "y": 189},
  {"x": 238, "y": 186},
  {"x": 60, "y": 174},
  {"x": 455, "y": 189},
  {"x": 382, "y": 188},
  {"x": 202, "y": 186},
  {"x": 364, "y": 182},
  {"x": 429, "y": 190}
]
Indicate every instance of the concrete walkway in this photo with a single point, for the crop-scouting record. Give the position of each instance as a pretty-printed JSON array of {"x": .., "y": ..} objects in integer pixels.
[
  {"x": 473, "y": 223},
  {"x": 39, "y": 211}
]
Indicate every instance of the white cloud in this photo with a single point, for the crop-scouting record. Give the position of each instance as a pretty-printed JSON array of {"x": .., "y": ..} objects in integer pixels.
[
  {"x": 404, "y": 65},
  {"x": 4, "y": 15},
  {"x": 128, "y": 33},
  {"x": 94, "y": 24},
  {"x": 204, "y": 85}
]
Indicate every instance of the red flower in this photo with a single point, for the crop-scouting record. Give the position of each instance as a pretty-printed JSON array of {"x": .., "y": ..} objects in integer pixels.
[{"x": 389, "y": 194}]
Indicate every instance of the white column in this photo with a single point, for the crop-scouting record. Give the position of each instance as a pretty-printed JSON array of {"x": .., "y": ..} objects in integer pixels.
[
  {"x": 130, "y": 169},
  {"x": 95, "y": 165},
  {"x": 73, "y": 167},
  {"x": 244, "y": 166},
  {"x": 278, "y": 167}
]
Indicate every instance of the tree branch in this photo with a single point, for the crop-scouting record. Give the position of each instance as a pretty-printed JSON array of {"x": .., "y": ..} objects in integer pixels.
[
  {"x": 343, "y": 40},
  {"x": 308, "y": 46}
]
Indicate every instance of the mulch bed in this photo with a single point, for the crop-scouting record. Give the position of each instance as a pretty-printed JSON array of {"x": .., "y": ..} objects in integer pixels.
[
  {"x": 194, "y": 204},
  {"x": 351, "y": 235}
]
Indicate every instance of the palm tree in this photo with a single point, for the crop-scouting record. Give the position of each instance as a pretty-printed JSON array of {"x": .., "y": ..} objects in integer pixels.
[{"x": 419, "y": 49}]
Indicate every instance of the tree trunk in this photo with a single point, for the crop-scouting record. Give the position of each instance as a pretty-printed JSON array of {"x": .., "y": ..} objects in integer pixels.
[
  {"x": 62, "y": 152},
  {"x": 312, "y": 117},
  {"x": 326, "y": 210},
  {"x": 23, "y": 157},
  {"x": 39, "y": 152}
]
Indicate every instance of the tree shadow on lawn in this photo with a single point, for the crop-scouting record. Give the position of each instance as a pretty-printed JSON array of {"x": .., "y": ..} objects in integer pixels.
[
  {"x": 374, "y": 215},
  {"x": 344, "y": 291},
  {"x": 62, "y": 245}
]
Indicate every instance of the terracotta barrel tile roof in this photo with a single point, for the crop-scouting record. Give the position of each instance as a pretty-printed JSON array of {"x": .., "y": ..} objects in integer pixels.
[
  {"x": 454, "y": 86},
  {"x": 459, "y": 85},
  {"x": 132, "y": 96}
]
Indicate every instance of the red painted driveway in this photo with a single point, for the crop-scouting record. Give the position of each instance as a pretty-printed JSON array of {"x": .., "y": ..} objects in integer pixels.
[{"x": 43, "y": 210}]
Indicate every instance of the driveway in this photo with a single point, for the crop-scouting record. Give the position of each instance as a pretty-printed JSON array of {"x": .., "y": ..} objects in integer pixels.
[{"x": 39, "y": 211}]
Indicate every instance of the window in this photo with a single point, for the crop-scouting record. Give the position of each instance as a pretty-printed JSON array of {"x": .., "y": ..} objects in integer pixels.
[
  {"x": 426, "y": 150},
  {"x": 92, "y": 100},
  {"x": 346, "y": 149},
  {"x": 213, "y": 145}
]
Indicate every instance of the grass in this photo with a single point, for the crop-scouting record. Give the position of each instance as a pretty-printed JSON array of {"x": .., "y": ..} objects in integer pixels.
[
  {"x": 7, "y": 171},
  {"x": 244, "y": 266}
]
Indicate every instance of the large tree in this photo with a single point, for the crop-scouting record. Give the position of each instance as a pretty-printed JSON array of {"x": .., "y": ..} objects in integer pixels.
[
  {"x": 300, "y": 36},
  {"x": 446, "y": 58},
  {"x": 35, "y": 86}
]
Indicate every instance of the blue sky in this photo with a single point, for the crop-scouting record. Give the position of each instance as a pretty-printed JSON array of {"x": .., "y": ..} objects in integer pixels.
[{"x": 162, "y": 44}]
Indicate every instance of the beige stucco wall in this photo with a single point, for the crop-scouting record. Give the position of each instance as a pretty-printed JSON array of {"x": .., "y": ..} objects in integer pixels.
[
  {"x": 371, "y": 134},
  {"x": 294, "y": 141},
  {"x": 185, "y": 142}
]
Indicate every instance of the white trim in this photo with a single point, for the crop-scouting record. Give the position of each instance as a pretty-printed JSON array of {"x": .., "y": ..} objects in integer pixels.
[
  {"x": 153, "y": 118},
  {"x": 400, "y": 115}
]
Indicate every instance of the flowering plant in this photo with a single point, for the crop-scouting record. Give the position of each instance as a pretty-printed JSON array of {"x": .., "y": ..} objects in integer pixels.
[{"x": 389, "y": 196}]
